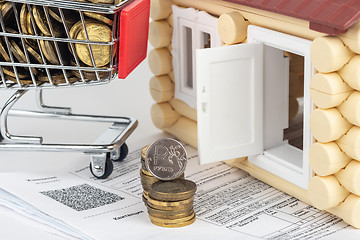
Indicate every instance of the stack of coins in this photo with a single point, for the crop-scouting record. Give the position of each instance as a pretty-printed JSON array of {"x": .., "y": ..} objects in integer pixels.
[
  {"x": 49, "y": 22},
  {"x": 170, "y": 203}
]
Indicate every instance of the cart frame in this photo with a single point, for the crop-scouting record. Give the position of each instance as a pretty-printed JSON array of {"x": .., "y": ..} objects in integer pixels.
[{"x": 111, "y": 144}]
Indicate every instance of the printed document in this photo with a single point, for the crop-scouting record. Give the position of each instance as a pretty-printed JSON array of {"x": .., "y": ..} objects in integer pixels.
[{"x": 229, "y": 204}]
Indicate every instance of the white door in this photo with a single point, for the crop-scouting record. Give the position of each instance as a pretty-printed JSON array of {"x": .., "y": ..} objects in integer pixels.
[{"x": 230, "y": 101}]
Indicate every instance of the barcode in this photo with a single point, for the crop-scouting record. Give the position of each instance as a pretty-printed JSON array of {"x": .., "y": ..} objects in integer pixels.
[{"x": 82, "y": 197}]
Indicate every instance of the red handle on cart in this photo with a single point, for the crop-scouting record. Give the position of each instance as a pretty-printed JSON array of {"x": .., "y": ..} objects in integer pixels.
[{"x": 134, "y": 29}]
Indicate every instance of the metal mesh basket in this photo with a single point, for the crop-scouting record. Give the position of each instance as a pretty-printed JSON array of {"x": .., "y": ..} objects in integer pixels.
[{"x": 38, "y": 46}]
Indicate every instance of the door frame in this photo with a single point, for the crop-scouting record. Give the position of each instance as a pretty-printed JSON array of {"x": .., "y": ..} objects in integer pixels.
[{"x": 298, "y": 175}]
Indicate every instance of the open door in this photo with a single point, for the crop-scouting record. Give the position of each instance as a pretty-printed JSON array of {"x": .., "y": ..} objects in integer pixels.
[{"x": 229, "y": 101}]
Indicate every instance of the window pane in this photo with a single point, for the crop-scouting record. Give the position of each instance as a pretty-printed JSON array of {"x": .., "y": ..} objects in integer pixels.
[
  {"x": 206, "y": 40},
  {"x": 188, "y": 58}
]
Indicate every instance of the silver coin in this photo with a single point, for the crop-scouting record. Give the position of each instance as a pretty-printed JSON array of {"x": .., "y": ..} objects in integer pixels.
[{"x": 166, "y": 159}]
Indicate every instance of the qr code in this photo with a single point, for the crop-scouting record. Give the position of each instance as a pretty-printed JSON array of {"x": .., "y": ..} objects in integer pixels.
[{"x": 82, "y": 197}]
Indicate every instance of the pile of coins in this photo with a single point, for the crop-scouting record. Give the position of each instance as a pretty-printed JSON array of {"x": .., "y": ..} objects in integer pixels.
[
  {"x": 169, "y": 203},
  {"x": 54, "y": 23}
]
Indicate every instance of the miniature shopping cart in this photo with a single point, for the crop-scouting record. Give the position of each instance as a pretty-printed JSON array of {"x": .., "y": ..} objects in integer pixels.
[{"x": 34, "y": 55}]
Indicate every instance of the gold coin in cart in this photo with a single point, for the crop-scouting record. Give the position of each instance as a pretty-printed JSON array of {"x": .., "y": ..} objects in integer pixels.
[
  {"x": 176, "y": 190},
  {"x": 49, "y": 51},
  {"x": 4, "y": 54},
  {"x": 34, "y": 54},
  {"x": 166, "y": 159},
  {"x": 11, "y": 30},
  {"x": 30, "y": 25},
  {"x": 173, "y": 225},
  {"x": 75, "y": 29},
  {"x": 23, "y": 81},
  {"x": 102, "y": 1},
  {"x": 25, "y": 29},
  {"x": 71, "y": 17},
  {"x": 7, "y": 12},
  {"x": 57, "y": 77},
  {"x": 23, "y": 19},
  {"x": 99, "y": 17},
  {"x": 43, "y": 24},
  {"x": 21, "y": 73},
  {"x": 90, "y": 75},
  {"x": 98, "y": 32},
  {"x": 20, "y": 55}
]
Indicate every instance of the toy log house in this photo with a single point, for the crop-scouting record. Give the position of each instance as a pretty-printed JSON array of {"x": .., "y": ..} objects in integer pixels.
[{"x": 272, "y": 85}]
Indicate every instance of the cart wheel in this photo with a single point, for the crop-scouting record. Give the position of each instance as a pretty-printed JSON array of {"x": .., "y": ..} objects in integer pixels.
[
  {"x": 109, "y": 167},
  {"x": 124, "y": 150}
]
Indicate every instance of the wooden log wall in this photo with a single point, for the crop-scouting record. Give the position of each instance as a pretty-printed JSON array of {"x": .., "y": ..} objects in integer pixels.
[
  {"x": 335, "y": 125},
  {"x": 169, "y": 114}
]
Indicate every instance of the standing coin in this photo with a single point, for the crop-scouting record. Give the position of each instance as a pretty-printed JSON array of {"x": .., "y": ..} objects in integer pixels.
[{"x": 166, "y": 159}]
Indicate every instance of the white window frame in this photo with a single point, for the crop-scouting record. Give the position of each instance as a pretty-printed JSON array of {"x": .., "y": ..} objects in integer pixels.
[
  {"x": 199, "y": 22},
  {"x": 298, "y": 171}
]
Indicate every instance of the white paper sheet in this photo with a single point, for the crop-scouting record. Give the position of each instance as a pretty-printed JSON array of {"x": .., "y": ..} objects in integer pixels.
[{"x": 229, "y": 204}]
